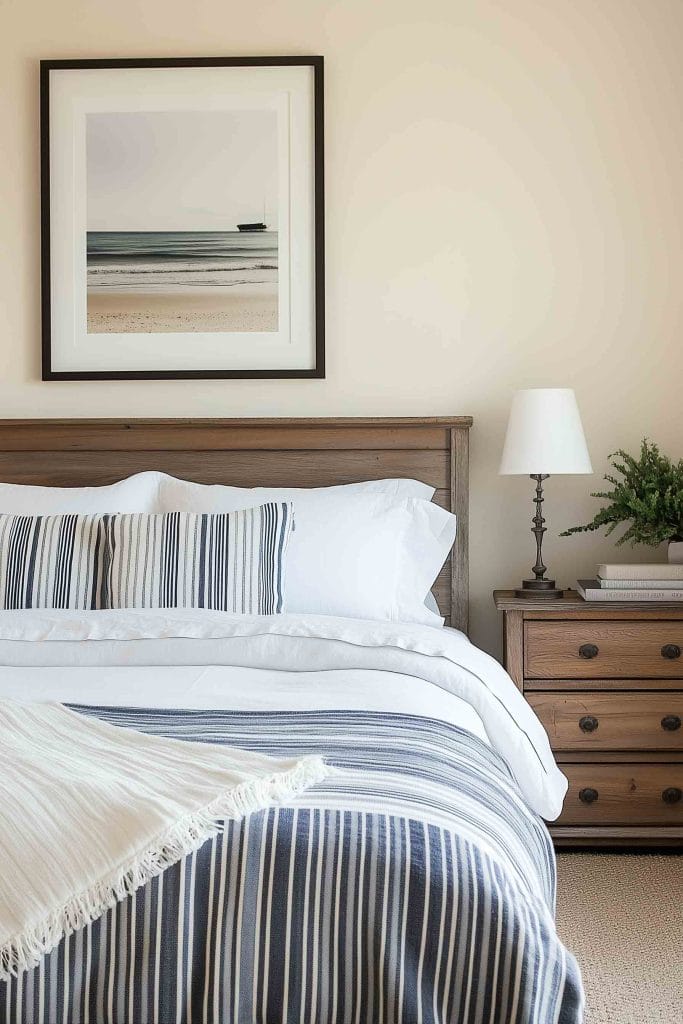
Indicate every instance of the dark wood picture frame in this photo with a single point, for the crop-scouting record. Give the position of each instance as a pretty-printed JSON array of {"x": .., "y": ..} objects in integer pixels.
[{"x": 318, "y": 370}]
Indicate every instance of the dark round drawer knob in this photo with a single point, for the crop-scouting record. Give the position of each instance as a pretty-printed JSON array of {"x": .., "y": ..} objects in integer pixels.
[
  {"x": 671, "y": 651},
  {"x": 588, "y": 651},
  {"x": 588, "y": 723},
  {"x": 672, "y": 795},
  {"x": 589, "y": 796},
  {"x": 671, "y": 723}
]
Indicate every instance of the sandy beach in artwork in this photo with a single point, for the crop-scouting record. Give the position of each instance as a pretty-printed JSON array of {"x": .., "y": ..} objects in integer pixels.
[
  {"x": 182, "y": 282},
  {"x": 244, "y": 307}
]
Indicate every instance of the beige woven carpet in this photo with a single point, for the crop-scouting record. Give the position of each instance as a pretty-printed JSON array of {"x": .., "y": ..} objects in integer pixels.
[{"x": 622, "y": 917}]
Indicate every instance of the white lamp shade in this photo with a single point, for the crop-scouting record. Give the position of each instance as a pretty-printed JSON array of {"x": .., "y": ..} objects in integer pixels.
[{"x": 545, "y": 434}]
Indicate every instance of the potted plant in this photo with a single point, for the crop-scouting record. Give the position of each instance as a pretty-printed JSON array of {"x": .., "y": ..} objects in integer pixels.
[{"x": 648, "y": 495}]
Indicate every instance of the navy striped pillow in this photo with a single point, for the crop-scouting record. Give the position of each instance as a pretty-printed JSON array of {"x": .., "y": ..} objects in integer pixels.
[
  {"x": 53, "y": 562},
  {"x": 231, "y": 562}
]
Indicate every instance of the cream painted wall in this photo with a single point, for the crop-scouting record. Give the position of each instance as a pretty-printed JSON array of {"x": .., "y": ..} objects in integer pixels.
[{"x": 503, "y": 210}]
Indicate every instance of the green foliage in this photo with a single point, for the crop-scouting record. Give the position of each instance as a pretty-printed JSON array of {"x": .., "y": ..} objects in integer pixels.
[{"x": 649, "y": 497}]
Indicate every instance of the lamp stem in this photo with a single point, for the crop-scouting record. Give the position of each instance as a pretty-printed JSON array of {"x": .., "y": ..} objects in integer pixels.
[
  {"x": 540, "y": 587},
  {"x": 538, "y": 529}
]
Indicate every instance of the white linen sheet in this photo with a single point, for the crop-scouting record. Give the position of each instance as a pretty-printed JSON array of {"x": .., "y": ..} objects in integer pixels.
[
  {"x": 296, "y": 645},
  {"x": 228, "y": 688}
]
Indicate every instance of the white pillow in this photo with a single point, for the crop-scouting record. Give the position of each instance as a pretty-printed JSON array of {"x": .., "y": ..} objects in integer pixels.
[
  {"x": 177, "y": 495},
  {"x": 360, "y": 551},
  {"x": 370, "y": 556},
  {"x": 137, "y": 493}
]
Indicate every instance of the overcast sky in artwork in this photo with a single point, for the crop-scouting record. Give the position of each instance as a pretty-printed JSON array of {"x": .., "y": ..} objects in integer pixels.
[{"x": 181, "y": 170}]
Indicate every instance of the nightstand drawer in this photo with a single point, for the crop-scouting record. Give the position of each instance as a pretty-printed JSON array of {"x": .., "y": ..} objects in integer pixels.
[
  {"x": 621, "y": 794},
  {"x": 611, "y": 721},
  {"x": 610, "y": 649}
]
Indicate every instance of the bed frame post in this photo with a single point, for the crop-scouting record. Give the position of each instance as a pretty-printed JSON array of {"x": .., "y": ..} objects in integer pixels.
[{"x": 460, "y": 579}]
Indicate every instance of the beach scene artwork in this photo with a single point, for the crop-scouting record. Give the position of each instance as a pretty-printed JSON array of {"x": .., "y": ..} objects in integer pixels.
[{"x": 182, "y": 221}]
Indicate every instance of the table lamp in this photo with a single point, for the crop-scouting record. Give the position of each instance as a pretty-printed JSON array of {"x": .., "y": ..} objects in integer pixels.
[{"x": 544, "y": 436}]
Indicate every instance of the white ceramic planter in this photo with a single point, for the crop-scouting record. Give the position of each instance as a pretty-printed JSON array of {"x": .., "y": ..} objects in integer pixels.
[{"x": 675, "y": 552}]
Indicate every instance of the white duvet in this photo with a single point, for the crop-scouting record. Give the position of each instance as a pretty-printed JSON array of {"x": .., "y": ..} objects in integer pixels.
[{"x": 190, "y": 658}]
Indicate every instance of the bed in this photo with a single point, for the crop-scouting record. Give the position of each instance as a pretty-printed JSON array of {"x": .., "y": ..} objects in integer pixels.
[{"x": 417, "y": 883}]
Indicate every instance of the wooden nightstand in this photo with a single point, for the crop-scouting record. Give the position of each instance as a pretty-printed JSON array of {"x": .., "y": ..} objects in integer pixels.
[{"x": 606, "y": 680}]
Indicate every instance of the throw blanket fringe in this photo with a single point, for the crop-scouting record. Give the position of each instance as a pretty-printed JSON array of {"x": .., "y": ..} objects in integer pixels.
[{"x": 24, "y": 950}]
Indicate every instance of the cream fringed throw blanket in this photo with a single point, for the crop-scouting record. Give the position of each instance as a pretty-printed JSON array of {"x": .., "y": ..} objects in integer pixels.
[{"x": 89, "y": 812}]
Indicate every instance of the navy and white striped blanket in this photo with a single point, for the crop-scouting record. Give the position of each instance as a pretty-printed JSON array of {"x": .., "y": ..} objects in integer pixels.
[{"x": 415, "y": 885}]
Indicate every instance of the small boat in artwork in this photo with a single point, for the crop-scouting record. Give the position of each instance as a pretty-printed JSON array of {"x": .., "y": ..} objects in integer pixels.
[{"x": 257, "y": 226}]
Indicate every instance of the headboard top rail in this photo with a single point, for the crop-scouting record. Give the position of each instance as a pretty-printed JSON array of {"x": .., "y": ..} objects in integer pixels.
[{"x": 247, "y": 421}]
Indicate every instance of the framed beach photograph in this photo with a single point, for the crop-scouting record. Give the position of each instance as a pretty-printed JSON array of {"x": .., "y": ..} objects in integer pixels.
[{"x": 182, "y": 218}]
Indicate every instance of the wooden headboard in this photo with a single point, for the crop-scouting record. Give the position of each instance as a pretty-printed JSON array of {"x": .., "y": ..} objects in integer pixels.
[{"x": 258, "y": 452}]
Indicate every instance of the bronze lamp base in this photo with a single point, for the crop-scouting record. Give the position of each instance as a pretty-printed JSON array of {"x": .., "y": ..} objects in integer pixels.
[{"x": 539, "y": 590}]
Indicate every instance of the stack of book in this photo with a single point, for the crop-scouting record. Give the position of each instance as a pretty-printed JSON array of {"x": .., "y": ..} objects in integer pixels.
[{"x": 660, "y": 582}]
